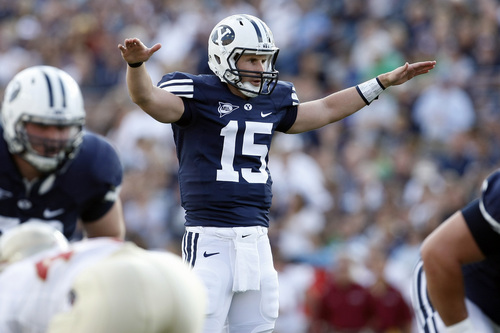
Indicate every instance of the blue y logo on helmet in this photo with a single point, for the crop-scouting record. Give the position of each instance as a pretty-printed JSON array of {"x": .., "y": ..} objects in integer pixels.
[{"x": 223, "y": 35}]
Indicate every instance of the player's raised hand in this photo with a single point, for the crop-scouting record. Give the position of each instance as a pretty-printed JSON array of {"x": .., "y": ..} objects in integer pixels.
[
  {"x": 134, "y": 51},
  {"x": 406, "y": 72}
]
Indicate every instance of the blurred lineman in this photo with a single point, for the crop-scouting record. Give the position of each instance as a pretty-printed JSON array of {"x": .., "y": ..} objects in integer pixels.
[
  {"x": 223, "y": 125},
  {"x": 456, "y": 283},
  {"x": 98, "y": 285},
  {"x": 52, "y": 170}
]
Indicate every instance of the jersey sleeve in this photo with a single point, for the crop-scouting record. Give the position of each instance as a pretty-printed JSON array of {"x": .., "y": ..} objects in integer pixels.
[
  {"x": 182, "y": 85},
  {"x": 483, "y": 215},
  {"x": 289, "y": 104},
  {"x": 178, "y": 83},
  {"x": 104, "y": 177}
]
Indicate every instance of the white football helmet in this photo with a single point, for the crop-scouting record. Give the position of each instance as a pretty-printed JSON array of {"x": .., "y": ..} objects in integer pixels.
[
  {"x": 237, "y": 35},
  {"x": 43, "y": 95},
  {"x": 27, "y": 239},
  {"x": 134, "y": 290}
]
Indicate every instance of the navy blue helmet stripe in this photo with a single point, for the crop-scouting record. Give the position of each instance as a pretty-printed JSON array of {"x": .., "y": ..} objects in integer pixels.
[
  {"x": 257, "y": 29},
  {"x": 49, "y": 87},
  {"x": 63, "y": 91}
]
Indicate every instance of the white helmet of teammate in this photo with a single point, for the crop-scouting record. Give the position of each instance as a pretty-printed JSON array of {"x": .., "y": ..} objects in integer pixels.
[
  {"x": 237, "y": 35},
  {"x": 43, "y": 95},
  {"x": 27, "y": 239}
]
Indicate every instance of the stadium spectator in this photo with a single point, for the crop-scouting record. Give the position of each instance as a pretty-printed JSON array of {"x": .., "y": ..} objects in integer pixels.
[{"x": 345, "y": 306}]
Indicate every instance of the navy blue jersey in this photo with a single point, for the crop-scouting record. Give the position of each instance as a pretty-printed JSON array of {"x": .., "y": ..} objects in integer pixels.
[
  {"x": 85, "y": 188},
  {"x": 222, "y": 144},
  {"x": 482, "y": 279}
]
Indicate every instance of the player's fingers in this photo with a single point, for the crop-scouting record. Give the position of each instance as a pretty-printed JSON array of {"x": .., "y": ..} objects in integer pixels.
[
  {"x": 154, "y": 48},
  {"x": 427, "y": 65},
  {"x": 132, "y": 42}
]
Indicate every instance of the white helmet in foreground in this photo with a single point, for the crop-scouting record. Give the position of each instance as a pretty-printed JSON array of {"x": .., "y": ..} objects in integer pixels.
[
  {"x": 46, "y": 96},
  {"x": 134, "y": 290},
  {"x": 27, "y": 239},
  {"x": 235, "y": 36}
]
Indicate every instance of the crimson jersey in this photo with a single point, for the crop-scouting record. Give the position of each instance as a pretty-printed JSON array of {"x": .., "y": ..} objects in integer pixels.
[{"x": 222, "y": 143}]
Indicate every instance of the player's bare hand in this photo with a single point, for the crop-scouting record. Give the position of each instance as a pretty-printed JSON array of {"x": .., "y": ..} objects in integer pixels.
[
  {"x": 134, "y": 51},
  {"x": 406, "y": 72}
]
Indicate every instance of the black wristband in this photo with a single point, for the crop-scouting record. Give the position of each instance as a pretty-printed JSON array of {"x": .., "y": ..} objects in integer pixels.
[
  {"x": 380, "y": 83},
  {"x": 135, "y": 65}
]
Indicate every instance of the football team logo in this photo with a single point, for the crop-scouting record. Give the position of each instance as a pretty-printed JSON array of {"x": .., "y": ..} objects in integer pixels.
[
  {"x": 48, "y": 213},
  {"x": 226, "y": 108},
  {"x": 223, "y": 35}
]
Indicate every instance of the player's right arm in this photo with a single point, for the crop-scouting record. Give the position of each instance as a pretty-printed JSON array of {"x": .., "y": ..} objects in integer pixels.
[
  {"x": 158, "y": 103},
  {"x": 444, "y": 252}
]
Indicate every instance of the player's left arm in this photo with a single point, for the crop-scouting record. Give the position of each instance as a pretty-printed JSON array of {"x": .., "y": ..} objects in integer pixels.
[
  {"x": 102, "y": 214},
  {"x": 112, "y": 224},
  {"x": 444, "y": 252},
  {"x": 318, "y": 113}
]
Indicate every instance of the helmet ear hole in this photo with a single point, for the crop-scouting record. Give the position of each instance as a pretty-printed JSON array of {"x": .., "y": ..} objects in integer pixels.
[{"x": 217, "y": 58}]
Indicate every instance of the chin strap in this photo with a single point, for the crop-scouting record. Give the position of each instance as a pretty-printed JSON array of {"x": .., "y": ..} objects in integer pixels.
[{"x": 248, "y": 92}]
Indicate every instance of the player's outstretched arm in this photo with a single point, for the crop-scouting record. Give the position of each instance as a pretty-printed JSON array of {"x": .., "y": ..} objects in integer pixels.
[
  {"x": 444, "y": 252},
  {"x": 318, "y": 113},
  {"x": 159, "y": 104}
]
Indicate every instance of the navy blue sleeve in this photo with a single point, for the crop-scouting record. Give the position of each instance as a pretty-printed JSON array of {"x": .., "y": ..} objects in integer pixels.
[
  {"x": 103, "y": 177},
  {"x": 486, "y": 238},
  {"x": 289, "y": 103},
  {"x": 182, "y": 85},
  {"x": 490, "y": 200},
  {"x": 289, "y": 119}
]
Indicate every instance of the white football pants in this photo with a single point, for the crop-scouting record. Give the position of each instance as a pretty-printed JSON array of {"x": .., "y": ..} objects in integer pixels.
[{"x": 236, "y": 266}]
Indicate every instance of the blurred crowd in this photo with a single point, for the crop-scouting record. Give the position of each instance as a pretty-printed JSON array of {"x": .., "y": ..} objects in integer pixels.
[{"x": 353, "y": 199}]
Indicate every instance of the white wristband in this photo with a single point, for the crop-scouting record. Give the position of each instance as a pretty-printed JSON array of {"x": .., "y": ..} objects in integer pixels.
[
  {"x": 370, "y": 90},
  {"x": 465, "y": 326}
]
